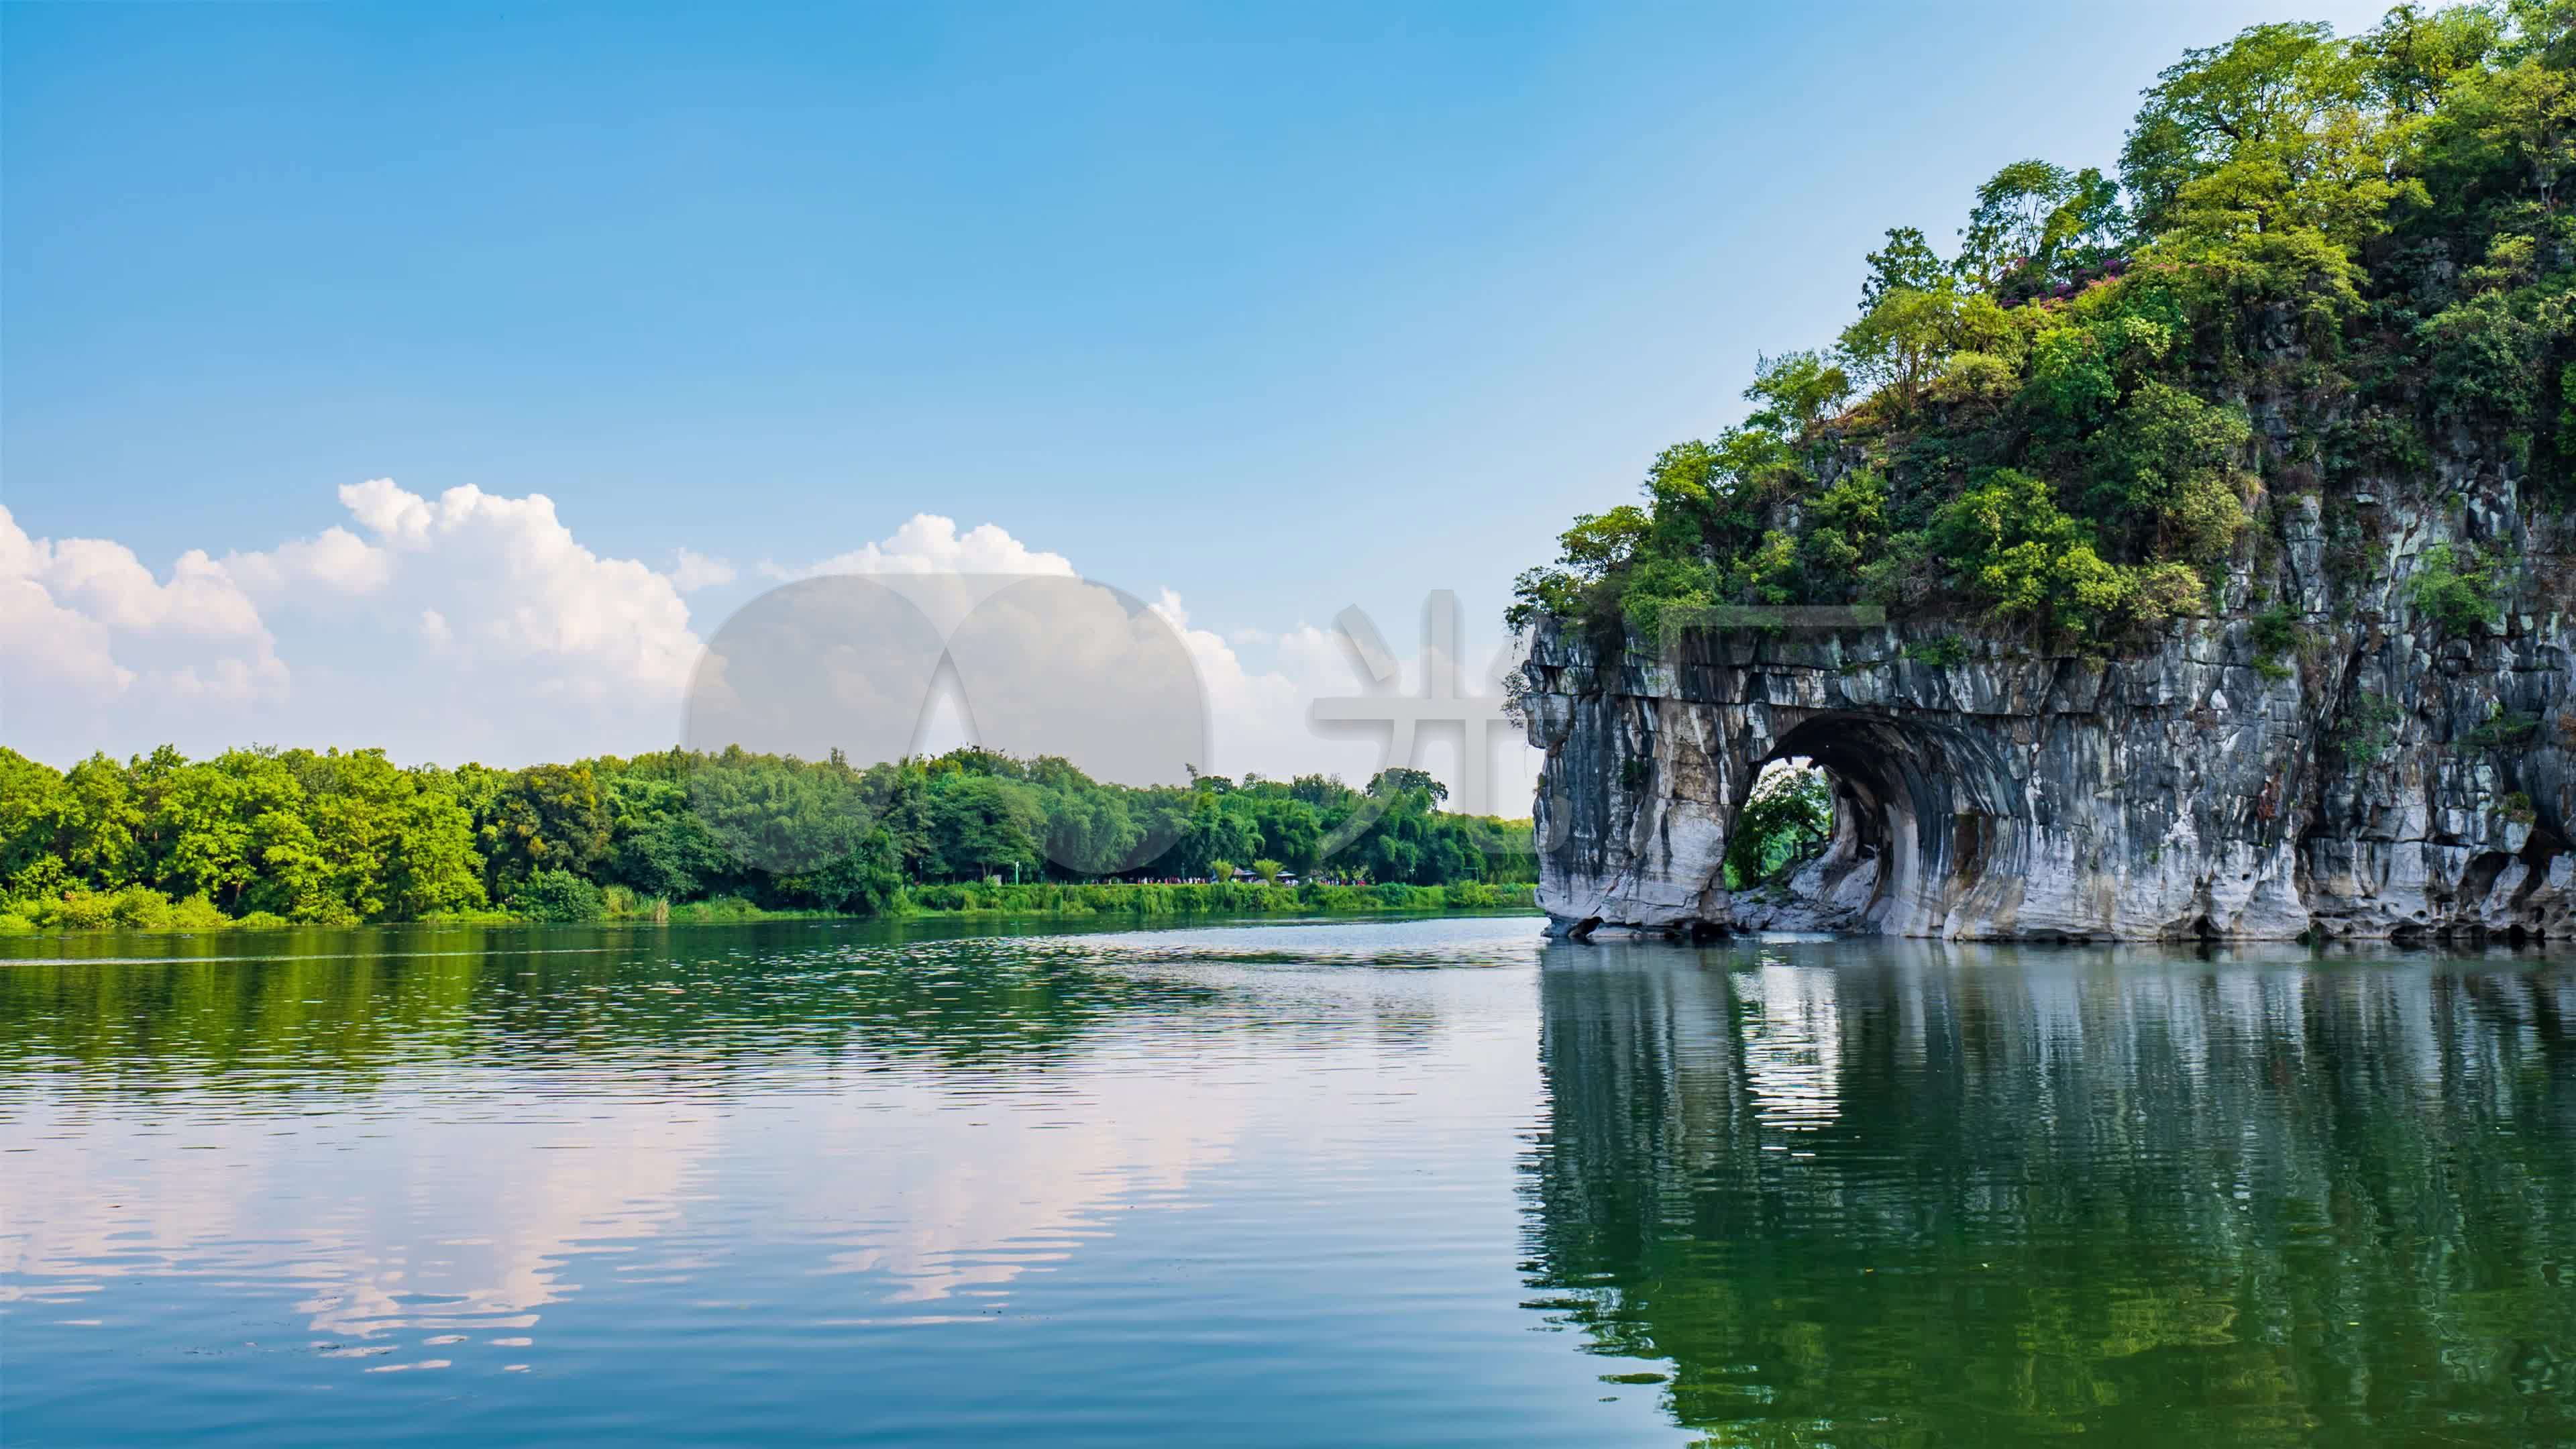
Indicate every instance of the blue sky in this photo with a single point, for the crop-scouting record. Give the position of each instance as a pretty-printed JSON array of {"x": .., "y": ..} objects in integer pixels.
[{"x": 1280, "y": 310}]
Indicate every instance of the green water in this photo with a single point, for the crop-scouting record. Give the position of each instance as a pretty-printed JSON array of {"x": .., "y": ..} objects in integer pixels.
[{"x": 1416, "y": 1182}]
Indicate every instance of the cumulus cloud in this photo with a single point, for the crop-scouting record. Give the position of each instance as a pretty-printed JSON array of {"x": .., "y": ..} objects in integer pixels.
[
  {"x": 510, "y": 583},
  {"x": 1013, "y": 633},
  {"x": 335, "y": 558},
  {"x": 477, "y": 625},
  {"x": 696, "y": 571},
  {"x": 930, "y": 544},
  {"x": 434, "y": 621},
  {"x": 945, "y": 573},
  {"x": 86, "y": 615}
]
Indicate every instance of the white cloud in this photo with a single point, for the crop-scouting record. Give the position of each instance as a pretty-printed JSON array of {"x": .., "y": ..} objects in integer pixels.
[
  {"x": 1258, "y": 717},
  {"x": 931, "y": 544},
  {"x": 697, "y": 571},
  {"x": 401, "y": 518},
  {"x": 511, "y": 584},
  {"x": 475, "y": 625},
  {"x": 431, "y": 627},
  {"x": 39, "y": 637},
  {"x": 335, "y": 558},
  {"x": 106, "y": 581},
  {"x": 85, "y": 615}
]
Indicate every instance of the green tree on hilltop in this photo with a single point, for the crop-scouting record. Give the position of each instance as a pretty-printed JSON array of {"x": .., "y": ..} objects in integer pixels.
[{"x": 2055, "y": 429}]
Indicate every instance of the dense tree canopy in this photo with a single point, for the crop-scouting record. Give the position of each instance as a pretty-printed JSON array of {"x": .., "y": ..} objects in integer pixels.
[
  {"x": 2365, "y": 239},
  {"x": 341, "y": 837}
]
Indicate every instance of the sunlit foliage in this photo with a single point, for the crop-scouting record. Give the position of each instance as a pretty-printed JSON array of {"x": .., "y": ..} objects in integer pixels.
[
  {"x": 2364, "y": 239},
  {"x": 342, "y": 837}
]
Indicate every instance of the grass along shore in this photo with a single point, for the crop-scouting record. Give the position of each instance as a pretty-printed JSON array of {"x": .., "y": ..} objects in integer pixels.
[{"x": 139, "y": 908}]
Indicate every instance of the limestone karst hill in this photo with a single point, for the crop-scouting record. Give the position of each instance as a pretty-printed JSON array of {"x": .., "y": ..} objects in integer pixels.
[{"x": 2217, "y": 508}]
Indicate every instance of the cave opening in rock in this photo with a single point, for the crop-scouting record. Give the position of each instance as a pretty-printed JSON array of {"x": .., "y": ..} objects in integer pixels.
[
  {"x": 1786, "y": 822},
  {"x": 1804, "y": 853},
  {"x": 1917, "y": 824}
]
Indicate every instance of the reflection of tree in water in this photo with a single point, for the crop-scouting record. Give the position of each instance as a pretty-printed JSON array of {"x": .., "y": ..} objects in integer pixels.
[
  {"x": 1894, "y": 1194},
  {"x": 345, "y": 1009}
]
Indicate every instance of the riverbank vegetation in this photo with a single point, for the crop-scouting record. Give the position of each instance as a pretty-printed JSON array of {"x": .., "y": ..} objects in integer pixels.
[
  {"x": 2316, "y": 262},
  {"x": 268, "y": 837}
]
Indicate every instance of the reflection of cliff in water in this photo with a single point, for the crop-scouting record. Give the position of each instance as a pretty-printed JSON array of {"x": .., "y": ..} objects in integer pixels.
[{"x": 1902, "y": 1193}]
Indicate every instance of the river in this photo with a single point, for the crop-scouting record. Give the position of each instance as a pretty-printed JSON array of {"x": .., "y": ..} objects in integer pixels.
[{"x": 1384, "y": 1182}]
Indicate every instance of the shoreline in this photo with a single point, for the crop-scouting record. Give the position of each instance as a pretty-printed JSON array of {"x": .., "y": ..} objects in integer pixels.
[{"x": 1077, "y": 903}]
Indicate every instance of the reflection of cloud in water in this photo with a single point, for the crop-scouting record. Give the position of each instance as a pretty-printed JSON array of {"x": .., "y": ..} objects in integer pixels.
[
  {"x": 937, "y": 1188},
  {"x": 1792, "y": 1046},
  {"x": 937, "y": 1185},
  {"x": 556, "y": 1195},
  {"x": 240, "y": 1197},
  {"x": 917, "y": 1127},
  {"x": 974, "y": 1208}
]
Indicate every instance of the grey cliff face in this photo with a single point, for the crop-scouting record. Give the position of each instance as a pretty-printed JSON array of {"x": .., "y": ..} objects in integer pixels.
[{"x": 2385, "y": 779}]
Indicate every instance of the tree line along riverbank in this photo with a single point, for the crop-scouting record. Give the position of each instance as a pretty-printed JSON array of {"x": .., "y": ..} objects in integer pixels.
[{"x": 264, "y": 837}]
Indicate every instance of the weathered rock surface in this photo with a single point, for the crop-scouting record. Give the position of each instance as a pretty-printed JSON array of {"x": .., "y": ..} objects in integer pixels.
[{"x": 2386, "y": 779}]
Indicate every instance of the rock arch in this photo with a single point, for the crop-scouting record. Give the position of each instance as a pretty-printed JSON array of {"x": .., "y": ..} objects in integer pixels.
[
  {"x": 2016, "y": 794},
  {"x": 1927, "y": 819}
]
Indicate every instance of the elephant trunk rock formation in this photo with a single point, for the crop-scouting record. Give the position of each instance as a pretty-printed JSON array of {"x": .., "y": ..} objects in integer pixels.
[{"x": 2389, "y": 781}]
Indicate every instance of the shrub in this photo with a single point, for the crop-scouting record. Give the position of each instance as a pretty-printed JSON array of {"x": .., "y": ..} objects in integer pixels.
[
  {"x": 2487, "y": 356},
  {"x": 2010, "y": 543},
  {"x": 1660, "y": 586},
  {"x": 1904, "y": 576},
  {"x": 2459, "y": 588},
  {"x": 2159, "y": 592},
  {"x": 13, "y": 924},
  {"x": 135, "y": 908},
  {"x": 2164, "y": 473},
  {"x": 733, "y": 908},
  {"x": 1975, "y": 379},
  {"x": 558, "y": 895},
  {"x": 261, "y": 921},
  {"x": 197, "y": 913},
  {"x": 2367, "y": 730},
  {"x": 2276, "y": 630},
  {"x": 2071, "y": 377},
  {"x": 2275, "y": 633},
  {"x": 79, "y": 911},
  {"x": 1771, "y": 573},
  {"x": 1940, "y": 653},
  {"x": 2025, "y": 559},
  {"x": 35, "y": 882},
  {"x": 2503, "y": 730},
  {"x": 140, "y": 908}
]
